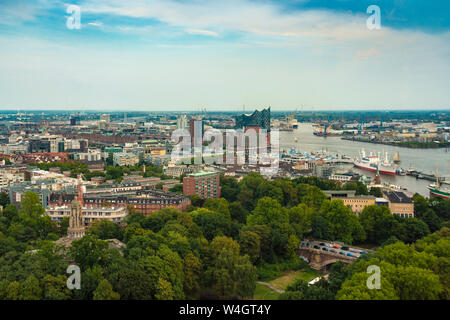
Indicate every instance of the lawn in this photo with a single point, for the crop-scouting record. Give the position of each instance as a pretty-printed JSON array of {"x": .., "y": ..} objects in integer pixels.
[
  {"x": 291, "y": 276},
  {"x": 265, "y": 293}
]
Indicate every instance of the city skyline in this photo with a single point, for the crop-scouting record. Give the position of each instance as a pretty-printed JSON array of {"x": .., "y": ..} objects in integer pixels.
[{"x": 187, "y": 55}]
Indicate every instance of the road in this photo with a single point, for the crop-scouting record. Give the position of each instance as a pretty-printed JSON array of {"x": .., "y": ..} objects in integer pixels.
[{"x": 333, "y": 248}]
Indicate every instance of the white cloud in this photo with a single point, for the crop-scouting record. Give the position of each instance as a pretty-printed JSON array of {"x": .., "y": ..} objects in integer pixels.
[
  {"x": 202, "y": 32},
  {"x": 95, "y": 24},
  {"x": 285, "y": 59},
  {"x": 239, "y": 15}
]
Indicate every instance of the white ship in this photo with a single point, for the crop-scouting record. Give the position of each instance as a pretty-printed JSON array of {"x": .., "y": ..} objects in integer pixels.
[{"x": 373, "y": 162}]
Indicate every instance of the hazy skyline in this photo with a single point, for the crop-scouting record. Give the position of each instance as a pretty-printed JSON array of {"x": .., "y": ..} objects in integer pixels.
[{"x": 174, "y": 55}]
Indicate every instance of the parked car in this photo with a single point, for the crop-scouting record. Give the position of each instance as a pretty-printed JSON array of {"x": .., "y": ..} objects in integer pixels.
[
  {"x": 336, "y": 246},
  {"x": 325, "y": 249},
  {"x": 342, "y": 252},
  {"x": 321, "y": 244},
  {"x": 316, "y": 247},
  {"x": 363, "y": 252},
  {"x": 332, "y": 250},
  {"x": 350, "y": 255},
  {"x": 345, "y": 248}
]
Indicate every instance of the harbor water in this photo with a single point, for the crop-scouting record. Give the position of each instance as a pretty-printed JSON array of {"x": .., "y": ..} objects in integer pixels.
[{"x": 423, "y": 160}]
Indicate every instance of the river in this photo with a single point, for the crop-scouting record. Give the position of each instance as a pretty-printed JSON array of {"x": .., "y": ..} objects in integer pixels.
[{"x": 424, "y": 160}]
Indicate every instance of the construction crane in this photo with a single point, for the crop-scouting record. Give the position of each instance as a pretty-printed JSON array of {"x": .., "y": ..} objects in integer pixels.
[
  {"x": 361, "y": 126},
  {"x": 325, "y": 128}
]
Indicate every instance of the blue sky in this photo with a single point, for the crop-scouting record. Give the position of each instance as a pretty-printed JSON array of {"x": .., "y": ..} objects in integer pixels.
[{"x": 187, "y": 54}]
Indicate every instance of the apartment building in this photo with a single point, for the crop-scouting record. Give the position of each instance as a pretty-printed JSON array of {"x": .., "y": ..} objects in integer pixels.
[{"x": 205, "y": 184}]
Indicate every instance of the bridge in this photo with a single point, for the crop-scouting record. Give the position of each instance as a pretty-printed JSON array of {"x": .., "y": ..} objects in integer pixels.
[{"x": 318, "y": 258}]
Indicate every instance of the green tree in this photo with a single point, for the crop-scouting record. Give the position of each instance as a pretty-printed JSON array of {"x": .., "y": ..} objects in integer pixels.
[
  {"x": 421, "y": 205},
  {"x": 89, "y": 251},
  {"x": 31, "y": 206},
  {"x": 376, "y": 192},
  {"x": 13, "y": 291},
  {"x": 55, "y": 288},
  {"x": 265, "y": 234},
  {"x": 356, "y": 288},
  {"x": 104, "y": 291},
  {"x": 192, "y": 269},
  {"x": 105, "y": 229},
  {"x": 238, "y": 212},
  {"x": 269, "y": 189},
  {"x": 4, "y": 199},
  {"x": 378, "y": 223},
  {"x": 431, "y": 219},
  {"x": 414, "y": 283},
  {"x": 224, "y": 255},
  {"x": 292, "y": 246},
  {"x": 229, "y": 188},
  {"x": 218, "y": 205},
  {"x": 300, "y": 290},
  {"x": 300, "y": 218},
  {"x": 267, "y": 211},
  {"x": 11, "y": 213},
  {"x": 247, "y": 189},
  {"x": 312, "y": 196},
  {"x": 343, "y": 223},
  {"x": 164, "y": 290},
  {"x": 414, "y": 230},
  {"x": 250, "y": 244},
  {"x": 320, "y": 229},
  {"x": 401, "y": 254},
  {"x": 359, "y": 187},
  {"x": 245, "y": 276},
  {"x": 63, "y": 226},
  {"x": 212, "y": 223},
  {"x": 178, "y": 188},
  {"x": 134, "y": 283},
  {"x": 46, "y": 226}
]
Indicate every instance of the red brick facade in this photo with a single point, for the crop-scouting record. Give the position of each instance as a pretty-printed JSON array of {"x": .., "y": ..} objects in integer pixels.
[{"x": 204, "y": 184}]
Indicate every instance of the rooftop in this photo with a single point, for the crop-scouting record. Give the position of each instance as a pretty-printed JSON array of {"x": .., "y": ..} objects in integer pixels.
[
  {"x": 398, "y": 197},
  {"x": 202, "y": 173}
]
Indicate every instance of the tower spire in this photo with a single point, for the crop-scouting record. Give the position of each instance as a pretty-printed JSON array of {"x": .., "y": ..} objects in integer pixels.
[{"x": 76, "y": 221}]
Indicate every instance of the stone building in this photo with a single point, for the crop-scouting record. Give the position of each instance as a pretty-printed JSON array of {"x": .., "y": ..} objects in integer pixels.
[{"x": 76, "y": 224}]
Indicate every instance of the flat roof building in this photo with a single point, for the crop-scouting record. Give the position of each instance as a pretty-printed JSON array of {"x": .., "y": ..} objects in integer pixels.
[
  {"x": 205, "y": 184},
  {"x": 350, "y": 199},
  {"x": 400, "y": 203}
]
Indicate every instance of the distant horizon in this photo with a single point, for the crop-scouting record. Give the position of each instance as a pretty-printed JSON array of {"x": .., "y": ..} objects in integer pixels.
[{"x": 215, "y": 109}]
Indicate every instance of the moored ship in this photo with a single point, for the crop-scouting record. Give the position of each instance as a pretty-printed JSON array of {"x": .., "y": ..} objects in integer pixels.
[
  {"x": 373, "y": 162},
  {"x": 439, "y": 191}
]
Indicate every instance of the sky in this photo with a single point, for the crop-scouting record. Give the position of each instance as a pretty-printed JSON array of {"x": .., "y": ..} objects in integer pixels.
[{"x": 223, "y": 55}]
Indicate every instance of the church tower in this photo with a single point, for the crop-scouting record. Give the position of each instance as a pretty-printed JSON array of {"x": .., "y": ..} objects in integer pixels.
[{"x": 76, "y": 222}]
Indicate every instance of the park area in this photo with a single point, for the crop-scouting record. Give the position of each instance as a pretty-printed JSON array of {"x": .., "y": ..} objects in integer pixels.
[{"x": 270, "y": 290}]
